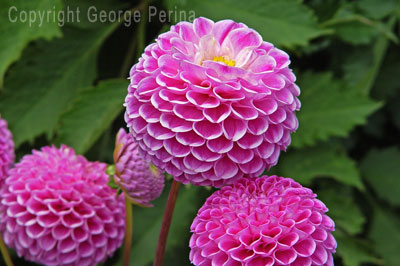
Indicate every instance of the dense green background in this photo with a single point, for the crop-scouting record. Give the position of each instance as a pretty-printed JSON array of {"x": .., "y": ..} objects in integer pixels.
[{"x": 67, "y": 84}]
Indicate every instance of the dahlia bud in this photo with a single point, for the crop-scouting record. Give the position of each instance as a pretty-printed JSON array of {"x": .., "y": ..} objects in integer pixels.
[
  {"x": 264, "y": 221},
  {"x": 7, "y": 155},
  {"x": 211, "y": 102},
  {"x": 141, "y": 181},
  {"x": 57, "y": 209}
]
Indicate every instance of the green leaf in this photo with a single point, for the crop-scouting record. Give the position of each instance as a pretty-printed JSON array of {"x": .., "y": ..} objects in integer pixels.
[
  {"x": 329, "y": 108},
  {"x": 355, "y": 28},
  {"x": 342, "y": 208},
  {"x": 381, "y": 169},
  {"x": 304, "y": 165},
  {"x": 385, "y": 232},
  {"x": 40, "y": 86},
  {"x": 284, "y": 23},
  {"x": 91, "y": 113},
  {"x": 16, "y": 34},
  {"x": 354, "y": 251},
  {"x": 362, "y": 66},
  {"x": 377, "y": 9}
]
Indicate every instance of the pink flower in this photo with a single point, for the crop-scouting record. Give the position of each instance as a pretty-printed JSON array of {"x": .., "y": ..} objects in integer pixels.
[
  {"x": 141, "y": 181},
  {"x": 209, "y": 102},
  {"x": 262, "y": 222},
  {"x": 7, "y": 155},
  {"x": 57, "y": 209}
]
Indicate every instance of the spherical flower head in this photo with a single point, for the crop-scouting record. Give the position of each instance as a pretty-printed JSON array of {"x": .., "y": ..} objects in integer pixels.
[
  {"x": 262, "y": 222},
  {"x": 210, "y": 102},
  {"x": 7, "y": 155},
  {"x": 141, "y": 181},
  {"x": 57, "y": 209}
]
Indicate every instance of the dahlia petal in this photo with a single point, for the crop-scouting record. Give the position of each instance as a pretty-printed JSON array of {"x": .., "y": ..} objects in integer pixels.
[
  {"x": 320, "y": 255},
  {"x": 220, "y": 145},
  {"x": 222, "y": 28},
  {"x": 234, "y": 129},
  {"x": 217, "y": 114},
  {"x": 173, "y": 96},
  {"x": 281, "y": 58},
  {"x": 196, "y": 165},
  {"x": 138, "y": 125},
  {"x": 157, "y": 131},
  {"x": 202, "y": 100},
  {"x": 274, "y": 133},
  {"x": 305, "y": 248},
  {"x": 273, "y": 81},
  {"x": 188, "y": 112},
  {"x": 257, "y": 261},
  {"x": 284, "y": 96},
  {"x": 285, "y": 256},
  {"x": 240, "y": 39},
  {"x": 175, "y": 123},
  {"x": 266, "y": 106},
  {"x": 249, "y": 141},
  {"x": 173, "y": 147},
  {"x": 244, "y": 112},
  {"x": 225, "y": 168},
  {"x": 302, "y": 262},
  {"x": 278, "y": 116},
  {"x": 263, "y": 64},
  {"x": 225, "y": 93},
  {"x": 207, "y": 129},
  {"x": 239, "y": 155},
  {"x": 253, "y": 167},
  {"x": 186, "y": 32},
  {"x": 149, "y": 113},
  {"x": 202, "y": 153},
  {"x": 153, "y": 143},
  {"x": 190, "y": 138},
  {"x": 242, "y": 254},
  {"x": 203, "y": 26},
  {"x": 168, "y": 65}
]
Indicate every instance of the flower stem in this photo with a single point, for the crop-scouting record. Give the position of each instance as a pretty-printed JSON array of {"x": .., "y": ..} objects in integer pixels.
[
  {"x": 128, "y": 233},
  {"x": 166, "y": 223},
  {"x": 4, "y": 252}
]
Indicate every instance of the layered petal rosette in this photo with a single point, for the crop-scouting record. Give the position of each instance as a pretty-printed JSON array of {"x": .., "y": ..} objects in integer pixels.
[
  {"x": 140, "y": 180},
  {"x": 262, "y": 222},
  {"x": 209, "y": 102},
  {"x": 7, "y": 155},
  {"x": 57, "y": 209}
]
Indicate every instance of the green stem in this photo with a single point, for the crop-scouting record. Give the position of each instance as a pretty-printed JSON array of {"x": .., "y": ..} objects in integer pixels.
[
  {"x": 128, "y": 233},
  {"x": 4, "y": 252},
  {"x": 166, "y": 223}
]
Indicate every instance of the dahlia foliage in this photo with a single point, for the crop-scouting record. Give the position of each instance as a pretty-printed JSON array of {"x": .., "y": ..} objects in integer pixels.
[
  {"x": 141, "y": 181},
  {"x": 262, "y": 222},
  {"x": 209, "y": 102},
  {"x": 7, "y": 155},
  {"x": 57, "y": 209}
]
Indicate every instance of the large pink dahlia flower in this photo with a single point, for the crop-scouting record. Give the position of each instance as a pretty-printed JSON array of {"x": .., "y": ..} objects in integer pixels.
[
  {"x": 57, "y": 209},
  {"x": 7, "y": 155},
  {"x": 210, "y": 102},
  {"x": 262, "y": 222},
  {"x": 141, "y": 181}
]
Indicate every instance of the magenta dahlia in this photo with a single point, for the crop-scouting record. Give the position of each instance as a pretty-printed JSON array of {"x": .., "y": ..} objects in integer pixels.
[
  {"x": 140, "y": 180},
  {"x": 7, "y": 155},
  {"x": 57, "y": 209},
  {"x": 210, "y": 102},
  {"x": 262, "y": 222}
]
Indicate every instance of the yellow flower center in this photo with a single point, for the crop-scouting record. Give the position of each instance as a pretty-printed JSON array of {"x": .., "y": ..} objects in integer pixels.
[{"x": 224, "y": 60}]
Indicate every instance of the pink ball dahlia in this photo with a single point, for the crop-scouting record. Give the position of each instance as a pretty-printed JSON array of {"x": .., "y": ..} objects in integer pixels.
[
  {"x": 262, "y": 222},
  {"x": 7, "y": 155},
  {"x": 210, "y": 102},
  {"x": 141, "y": 181},
  {"x": 57, "y": 209}
]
